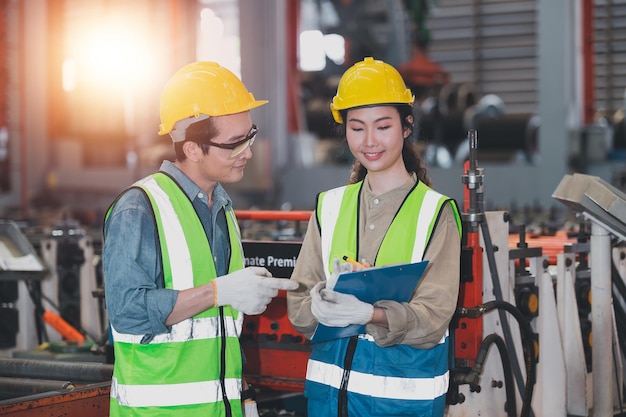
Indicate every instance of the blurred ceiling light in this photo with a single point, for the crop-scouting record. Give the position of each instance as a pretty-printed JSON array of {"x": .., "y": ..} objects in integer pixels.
[
  {"x": 335, "y": 47},
  {"x": 311, "y": 47},
  {"x": 315, "y": 47},
  {"x": 218, "y": 39}
]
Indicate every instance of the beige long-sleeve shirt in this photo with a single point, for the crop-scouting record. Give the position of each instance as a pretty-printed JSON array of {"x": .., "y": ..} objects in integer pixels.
[{"x": 420, "y": 323}]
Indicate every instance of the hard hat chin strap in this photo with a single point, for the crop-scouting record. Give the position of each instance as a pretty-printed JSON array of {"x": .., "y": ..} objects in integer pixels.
[{"x": 179, "y": 131}]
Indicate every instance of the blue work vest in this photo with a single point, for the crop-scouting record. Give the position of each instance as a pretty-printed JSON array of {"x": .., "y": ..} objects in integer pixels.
[{"x": 389, "y": 381}]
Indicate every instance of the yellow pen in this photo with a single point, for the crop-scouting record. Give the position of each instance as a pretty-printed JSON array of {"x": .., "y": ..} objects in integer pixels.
[{"x": 353, "y": 262}]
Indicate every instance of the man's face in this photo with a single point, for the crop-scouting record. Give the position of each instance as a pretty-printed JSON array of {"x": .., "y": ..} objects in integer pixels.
[{"x": 221, "y": 165}]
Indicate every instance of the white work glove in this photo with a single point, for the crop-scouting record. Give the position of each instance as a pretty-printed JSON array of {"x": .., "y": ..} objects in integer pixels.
[
  {"x": 250, "y": 409},
  {"x": 249, "y": 290},
  {"x": 338, "y": 269},
  {"x": 335, "y": 309}
]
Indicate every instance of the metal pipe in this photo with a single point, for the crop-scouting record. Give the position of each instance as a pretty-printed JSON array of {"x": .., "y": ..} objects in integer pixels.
[
  {"x": 75, "y": 371},
  {"x": 273, "y": 215},
  {"x": 601, "y": 321},
  {"x": 16, "y": 387}
]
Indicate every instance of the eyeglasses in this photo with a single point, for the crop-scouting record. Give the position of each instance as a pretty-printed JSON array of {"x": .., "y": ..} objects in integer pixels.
[{"x": 237, "y": 148}]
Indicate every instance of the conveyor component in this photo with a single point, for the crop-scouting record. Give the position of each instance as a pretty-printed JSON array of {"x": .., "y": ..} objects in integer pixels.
[
  {"x": 91, "y": 400},
  {"x": 33, "y": 388},
  {"x": 19, "y": 387},
  {"x": 74, "y": 371}
]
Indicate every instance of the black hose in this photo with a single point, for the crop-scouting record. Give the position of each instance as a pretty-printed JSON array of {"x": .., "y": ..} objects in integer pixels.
[
  {"x": 511, "y": 405},
  {"x": 526, "y": 393},
  {"x": 527, "y": 340},
  {"x": 619, "y": 394},
  {"x": 620, "y": 319}
]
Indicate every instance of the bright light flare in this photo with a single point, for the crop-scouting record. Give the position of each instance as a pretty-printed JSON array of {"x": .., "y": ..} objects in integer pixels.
[{"x": 109, "y": 56}]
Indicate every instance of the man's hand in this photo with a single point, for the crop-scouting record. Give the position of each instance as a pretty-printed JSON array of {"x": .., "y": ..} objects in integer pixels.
[
  {"x": 249, "y": 290},
  {"x": 335, "y": 309}
]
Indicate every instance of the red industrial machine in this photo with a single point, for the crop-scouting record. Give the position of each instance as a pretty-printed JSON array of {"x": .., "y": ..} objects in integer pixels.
[
  {"x": 276, "y": 354},
  {"x": 468, "y": 334}
]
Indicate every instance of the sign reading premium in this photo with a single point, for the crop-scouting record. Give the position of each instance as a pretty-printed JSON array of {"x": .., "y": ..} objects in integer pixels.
[{"x": 278, "y": 257}]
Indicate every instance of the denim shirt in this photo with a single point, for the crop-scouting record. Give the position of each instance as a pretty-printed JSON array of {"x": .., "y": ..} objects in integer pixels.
[{"x": 137, "y": 302}]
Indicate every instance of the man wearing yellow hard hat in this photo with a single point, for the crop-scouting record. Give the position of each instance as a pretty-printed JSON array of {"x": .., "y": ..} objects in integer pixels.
[{"x": 175, "y": 283}]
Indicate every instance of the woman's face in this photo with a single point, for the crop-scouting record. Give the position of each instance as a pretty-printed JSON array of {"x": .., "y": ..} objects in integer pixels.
[{"x": 375, "y": 137}]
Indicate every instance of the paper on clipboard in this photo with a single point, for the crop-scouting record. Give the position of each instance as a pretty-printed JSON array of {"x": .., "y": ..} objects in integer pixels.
[{"x": 394, "y": 282}]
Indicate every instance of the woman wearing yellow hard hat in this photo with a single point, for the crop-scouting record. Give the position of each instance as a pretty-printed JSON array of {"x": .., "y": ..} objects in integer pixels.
[{"x": 397, "y": 363}]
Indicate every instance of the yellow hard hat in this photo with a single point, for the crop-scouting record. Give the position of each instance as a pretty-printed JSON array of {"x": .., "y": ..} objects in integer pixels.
[
  {"x": 203, "y": 88},
  {"x": 367, "y": 83}
]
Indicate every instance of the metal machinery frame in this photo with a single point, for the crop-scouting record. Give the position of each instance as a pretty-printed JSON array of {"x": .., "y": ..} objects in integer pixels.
[
  {"x": 43, "y": 387},
  {"x": 550, "y": 298},
  {"x": 604, "y": 207}
]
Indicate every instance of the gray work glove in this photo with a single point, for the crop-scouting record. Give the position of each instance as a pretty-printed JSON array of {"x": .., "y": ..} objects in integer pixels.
[
  {"x": 249, "y": 290},
  {"x": 336, "y": 309}
]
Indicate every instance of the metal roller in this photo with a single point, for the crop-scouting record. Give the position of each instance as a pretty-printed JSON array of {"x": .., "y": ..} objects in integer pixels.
[
  {"x": 18, "y": 387},
  {"x": 507, "y": 133},
  {"x": 74, "y": 371}
]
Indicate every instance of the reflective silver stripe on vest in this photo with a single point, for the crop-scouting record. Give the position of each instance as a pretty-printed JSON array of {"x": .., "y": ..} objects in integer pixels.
[
  {"x": 379, "y": 386},
  {"x": 171, "y": 395},
  {"x": 189, "y": 329},
  {"x": 426, "y": 215},
  {"x": 331, "y": 204},
  {"x": 180, "y": 258},
  {"x": 370, "y": 338}
]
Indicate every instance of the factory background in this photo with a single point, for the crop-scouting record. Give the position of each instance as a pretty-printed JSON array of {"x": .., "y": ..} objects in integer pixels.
[
  {"x": 541, "y": 82},
  {"x": 544, "y": 83}
]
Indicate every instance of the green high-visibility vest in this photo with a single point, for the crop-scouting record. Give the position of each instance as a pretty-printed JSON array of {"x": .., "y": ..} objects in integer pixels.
[{"x": 188, "y": 371}]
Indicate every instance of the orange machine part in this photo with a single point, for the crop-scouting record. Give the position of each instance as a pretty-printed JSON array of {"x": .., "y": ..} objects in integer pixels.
[
  {"x": 273, "y": 215},
  {"x": 551, "y": 245},
  {"x": 65, "y": 329}
]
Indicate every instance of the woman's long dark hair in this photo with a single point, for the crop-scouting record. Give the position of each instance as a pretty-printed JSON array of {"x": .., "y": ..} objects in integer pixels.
[{"x": 410, "y": 154}]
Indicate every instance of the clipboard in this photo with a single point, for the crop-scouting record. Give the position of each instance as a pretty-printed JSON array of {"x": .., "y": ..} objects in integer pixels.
[{"x": 394, "y": 282}]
